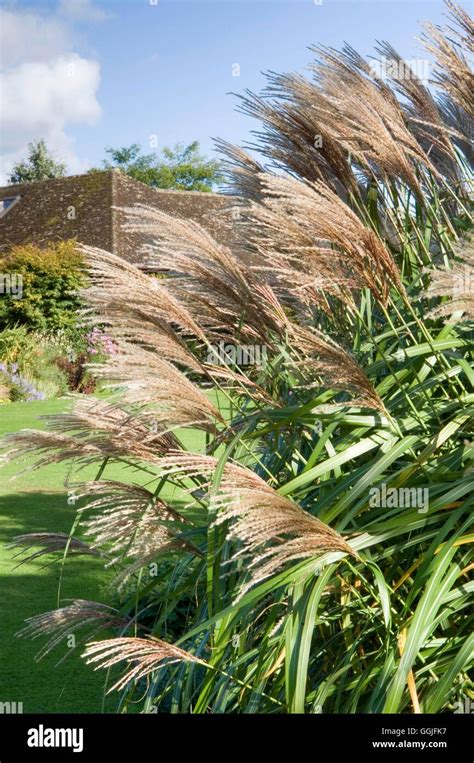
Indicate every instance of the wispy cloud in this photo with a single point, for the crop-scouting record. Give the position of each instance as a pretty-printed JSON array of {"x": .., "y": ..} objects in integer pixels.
[{"x": 82, "y": 10}]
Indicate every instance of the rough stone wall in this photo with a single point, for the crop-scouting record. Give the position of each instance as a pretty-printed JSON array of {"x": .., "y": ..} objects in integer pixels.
[{"x": 76, "y": 207}]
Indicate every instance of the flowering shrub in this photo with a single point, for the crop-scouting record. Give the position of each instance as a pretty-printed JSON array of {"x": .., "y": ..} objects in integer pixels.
[
  {"x": 30, "y": 356},
  {"x": 35, "y": 366},
  {"x": 97, "y": 346}
]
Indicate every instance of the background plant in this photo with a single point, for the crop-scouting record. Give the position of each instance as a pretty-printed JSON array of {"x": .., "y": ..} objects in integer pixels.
[
  {"x": 182, "y": 168},
  {"x": 28, "y": 365},
  {"x": 51, "y": 277},
  {"x": 40, "y": 164},
  {"x": 253, "y": 574}
]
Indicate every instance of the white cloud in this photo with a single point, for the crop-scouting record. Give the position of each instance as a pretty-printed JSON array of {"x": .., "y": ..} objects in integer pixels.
[
  {"x": 45, "y": 85},
  {"x": 30, "y": 36}
]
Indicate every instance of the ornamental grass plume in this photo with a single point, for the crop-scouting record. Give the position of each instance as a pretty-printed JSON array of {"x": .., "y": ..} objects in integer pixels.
[
  {"x": 130, "y": 524},
  {"x": 272, "y": 529},
  {"x": 209, "y": 279},
  {"x": 136, "y": 307},
  {"x": 295, "y": 135},
  {"x": 115, "y": 283},
  {"x": 94, "y": 430},
  {"x": 423, "y": 114},
  {"x": 332, "y": 237},
  {"x": 143, "y": 655},
  {"x": 49, "y": 543},
  {"x": 241, "y": 171},
  {"x": 60, "y": 623},
  {"x": 217, "y": 289},
  {"x": 316, "y": 355},
  {"x": 366, "y": 119},
  {"x": 453, "y": 74},
  {"x": 145, "y": 377}
]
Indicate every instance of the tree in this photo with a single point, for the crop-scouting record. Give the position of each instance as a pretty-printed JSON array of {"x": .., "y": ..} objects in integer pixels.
[
  {"x": 182, "y": 168},
  {"x": 40, "y": 165}
]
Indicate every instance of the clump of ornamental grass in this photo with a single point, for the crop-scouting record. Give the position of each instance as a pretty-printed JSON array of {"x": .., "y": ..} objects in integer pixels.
[{"x": 256, "y": 571}]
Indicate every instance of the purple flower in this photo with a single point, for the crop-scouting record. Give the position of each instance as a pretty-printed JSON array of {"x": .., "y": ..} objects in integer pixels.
[{"x": 25, "y": 387}]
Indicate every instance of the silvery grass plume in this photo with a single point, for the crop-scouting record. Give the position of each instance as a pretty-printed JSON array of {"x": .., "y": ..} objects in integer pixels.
[
  {"x": 241, "y": 172},
  {"x": 154, "y": 538},
  {"x": 172, "y": 399},
  {"x": 424, "y": 118},
  {"x": 418, "y": 107},
  {"x": 213, "y": 286},
  {"x": 49, "y": 543},
  {"x": 225, "y": 297},
  {"x": 143, "y": 656},
  {"x": 464, "y": 25},
  {"x": 456, "y": 283},
  {"x": 272, "y": 529},
  {"x": 118, "y": 430},
  {"x": 310, "y": 228},
  {"x": 93, "y": 431},
  {"x": 453, "y": 76},
  {"x": 461, "y": 125},
  {"x": 133, "y": 326},
  {"x": 61, "y": 623},
  {"x": 314, "y": 354},
  {"x": 131, "y": 525},
  {"x": 365, "y": 118},
  {"x": 113, "y": 279},
  {"x": 137, "y": 307},
  {"x": 294, "y": 136}
]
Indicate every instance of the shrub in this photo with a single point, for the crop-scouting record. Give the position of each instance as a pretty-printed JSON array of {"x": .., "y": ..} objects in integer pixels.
[
  {"x": 51, "y": 277},
  {"x": 78, "y": 376}
]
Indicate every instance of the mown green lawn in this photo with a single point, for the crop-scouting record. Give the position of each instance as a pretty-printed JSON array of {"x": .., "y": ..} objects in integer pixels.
[{"x": 36, "y": 501}]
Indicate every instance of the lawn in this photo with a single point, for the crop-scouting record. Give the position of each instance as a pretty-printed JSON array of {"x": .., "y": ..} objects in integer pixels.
[{"x": 37, "y": 502}]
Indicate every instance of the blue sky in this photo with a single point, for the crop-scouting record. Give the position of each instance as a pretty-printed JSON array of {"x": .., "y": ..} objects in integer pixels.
[{"x": 166, "y": 69}]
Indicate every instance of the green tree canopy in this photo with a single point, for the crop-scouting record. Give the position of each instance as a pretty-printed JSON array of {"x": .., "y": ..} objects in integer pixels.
[
  {"x": 39, "y": 165},
  {"x": 182, "y": 167}
]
